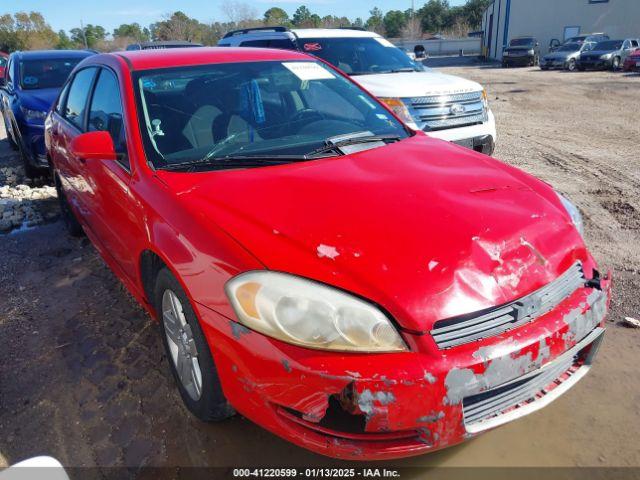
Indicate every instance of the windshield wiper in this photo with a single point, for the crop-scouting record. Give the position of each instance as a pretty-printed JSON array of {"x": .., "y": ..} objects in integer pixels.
[
  {"x": 234, "y": 161},
  {"x": 402, "y": 70},
  {"x": 335, "y": 146}
]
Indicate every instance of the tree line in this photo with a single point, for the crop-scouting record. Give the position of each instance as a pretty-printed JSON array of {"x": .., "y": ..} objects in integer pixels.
[{"x": 30, "y": 31}]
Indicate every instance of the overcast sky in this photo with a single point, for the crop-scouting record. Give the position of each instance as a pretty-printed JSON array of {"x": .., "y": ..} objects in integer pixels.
[{"x": 66, "y": 14}]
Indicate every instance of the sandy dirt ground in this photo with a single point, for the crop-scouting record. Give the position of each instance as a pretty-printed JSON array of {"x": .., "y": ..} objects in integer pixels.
[{"x": 83, "y": 376}]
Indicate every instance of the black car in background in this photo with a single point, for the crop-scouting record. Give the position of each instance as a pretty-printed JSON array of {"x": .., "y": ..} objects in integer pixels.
[{"x": 522, "y": 51}]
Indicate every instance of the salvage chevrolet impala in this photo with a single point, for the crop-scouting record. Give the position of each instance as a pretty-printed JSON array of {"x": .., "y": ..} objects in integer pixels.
[{"x": 356, "y": 287}]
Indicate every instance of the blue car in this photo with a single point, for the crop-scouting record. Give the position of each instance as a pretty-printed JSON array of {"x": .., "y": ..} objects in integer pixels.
[{"x": 31, "y": 82}]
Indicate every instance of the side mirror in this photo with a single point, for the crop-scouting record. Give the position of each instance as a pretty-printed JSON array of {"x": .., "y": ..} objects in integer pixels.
[{"x": 93, "y": 146}]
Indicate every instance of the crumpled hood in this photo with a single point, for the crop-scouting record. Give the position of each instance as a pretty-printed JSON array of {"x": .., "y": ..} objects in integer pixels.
[
  {"x": 40, "y": 99},
  {"x": 424, "y": 228},
  {"x": 415, "y": 84}
]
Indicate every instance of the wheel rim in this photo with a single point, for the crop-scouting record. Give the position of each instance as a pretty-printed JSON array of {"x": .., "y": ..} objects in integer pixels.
[{"x": 182, "y": 345}]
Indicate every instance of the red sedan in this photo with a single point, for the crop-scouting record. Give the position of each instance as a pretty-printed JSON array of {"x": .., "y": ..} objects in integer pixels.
[
  {"x": 353, "y": 286},
  {"x": 632, "y": 62}
]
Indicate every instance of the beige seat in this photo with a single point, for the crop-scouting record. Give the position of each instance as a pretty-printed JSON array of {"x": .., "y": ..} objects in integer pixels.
[{"x": 198, "y": 129}]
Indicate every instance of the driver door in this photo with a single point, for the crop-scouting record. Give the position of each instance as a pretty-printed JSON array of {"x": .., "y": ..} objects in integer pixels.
[{"x": 118, "y": 216}]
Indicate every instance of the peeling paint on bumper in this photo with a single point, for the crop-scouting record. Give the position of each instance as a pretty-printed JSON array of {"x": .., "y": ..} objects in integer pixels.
[{"x": 383, "y": 406}]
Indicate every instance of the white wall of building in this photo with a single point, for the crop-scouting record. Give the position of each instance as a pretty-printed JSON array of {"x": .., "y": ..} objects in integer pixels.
[{"x": 550, "y": 19}]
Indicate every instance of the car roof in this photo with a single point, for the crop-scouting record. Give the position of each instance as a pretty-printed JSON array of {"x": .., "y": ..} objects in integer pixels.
[
  {"x": 44, "y": 54},
  {"x": 333, "y": 33},
  {"x": 183, "y": 57}
]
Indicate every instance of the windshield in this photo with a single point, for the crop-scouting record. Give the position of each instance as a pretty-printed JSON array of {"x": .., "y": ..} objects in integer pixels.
[
  {"x": 570, "y": 47},
  {"x": 253, "y": 109},
  {"x": 521, "y": 42},
  {"x": 360, "y": 56},
  {"x": 610, "y": 45},
  {"x": 45, "y": 73}
]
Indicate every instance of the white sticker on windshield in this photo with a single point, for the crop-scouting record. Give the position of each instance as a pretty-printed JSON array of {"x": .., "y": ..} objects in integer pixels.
[
  {"x": 308, "y": 70},
  {"x": 384, "y": 42}
]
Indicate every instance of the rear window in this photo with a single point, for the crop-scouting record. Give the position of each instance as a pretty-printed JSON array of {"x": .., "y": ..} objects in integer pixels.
[{"x": 45, "y": 73}]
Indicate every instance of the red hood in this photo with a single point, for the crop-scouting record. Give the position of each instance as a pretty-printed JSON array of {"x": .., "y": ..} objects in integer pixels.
[{"x": 426, "y": 229}]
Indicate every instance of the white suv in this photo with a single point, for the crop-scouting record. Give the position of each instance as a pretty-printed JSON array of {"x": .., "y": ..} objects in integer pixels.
[{"x": 445, "y": 106}]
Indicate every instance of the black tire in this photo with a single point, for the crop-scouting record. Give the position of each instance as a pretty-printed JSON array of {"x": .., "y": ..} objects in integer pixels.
[
  {"x": 211, "y": 406},
  {"x": 29, "y": 170},
  {"x": 571, "y": 66},
  {"x": 70, "y": 221},
  {"x": 12, "y": 142},
  {"x": 615, "y": 64}
]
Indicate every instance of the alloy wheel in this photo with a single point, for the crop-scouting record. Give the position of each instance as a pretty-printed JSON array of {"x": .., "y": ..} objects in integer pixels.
[{"x": 182, "y": 345}]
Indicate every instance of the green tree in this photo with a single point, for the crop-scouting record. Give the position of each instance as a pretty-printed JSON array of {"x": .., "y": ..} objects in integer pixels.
[
  {"x": 64, "y": 42},
  {"x": 276, "y": 16},
  {"x": 131, "y": 31},
  {"x": 178, "y": 26},
  {"x": 394, "y": 21},
  {"x": 26, "y": 31},
  {"x": 376, "y": 21},
  {"x": 473, "y": 11},
  {"x": 302, "y": 17},
  {"x": 435, "y": 15},
  {"x": 89, "y": 36}
]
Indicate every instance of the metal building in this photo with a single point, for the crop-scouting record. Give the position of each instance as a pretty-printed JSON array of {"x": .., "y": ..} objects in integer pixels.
[{"x": 556, "y": 19}]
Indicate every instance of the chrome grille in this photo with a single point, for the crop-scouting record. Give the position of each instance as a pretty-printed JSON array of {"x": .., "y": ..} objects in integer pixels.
[
  {"x": 531, "y": 391},
  {"x": 438, "y": 112},
  {"x": 460, "y": 330}
]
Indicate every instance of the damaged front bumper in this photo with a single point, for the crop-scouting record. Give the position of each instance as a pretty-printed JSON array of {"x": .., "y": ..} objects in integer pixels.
[{"x": 383, "y": 406}]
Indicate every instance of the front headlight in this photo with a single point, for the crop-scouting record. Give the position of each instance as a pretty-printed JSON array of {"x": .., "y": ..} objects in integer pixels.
[
  {"x": 485, "y": 99},
  {"x": 309, "y": 314},
  {"x": 574, "y": 213},
  {"x": 398, "y": 107},
  {"x": 33, "y": 115},
  {"x": 531, "y": 52},
  {"x": 606, "y": 56}
]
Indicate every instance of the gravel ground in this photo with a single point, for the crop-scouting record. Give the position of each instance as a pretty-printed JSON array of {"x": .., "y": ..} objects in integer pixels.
[{"x": 82, "y": 372}]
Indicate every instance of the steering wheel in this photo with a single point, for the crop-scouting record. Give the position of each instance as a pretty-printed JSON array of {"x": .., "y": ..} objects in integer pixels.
[{"x": 306, "y": 115}]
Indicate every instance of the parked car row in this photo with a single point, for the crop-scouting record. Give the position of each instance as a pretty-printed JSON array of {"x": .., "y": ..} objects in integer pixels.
[{"x": 584, "y": 52}]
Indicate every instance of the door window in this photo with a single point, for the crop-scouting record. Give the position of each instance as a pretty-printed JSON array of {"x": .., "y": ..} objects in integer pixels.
[
  {"x": 62, "y": 99},
  {"x": 78, "y": 95},
  {"x": 106, "y": 114},
  {"x": 7, "y": 72}
]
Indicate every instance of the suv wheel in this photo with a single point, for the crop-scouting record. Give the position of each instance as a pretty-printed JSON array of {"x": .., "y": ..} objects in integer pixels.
[
  {"x": 188, "y": 353},
  {"x": 571, "y": 66},
  {"x": 29, "y": 170}
]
